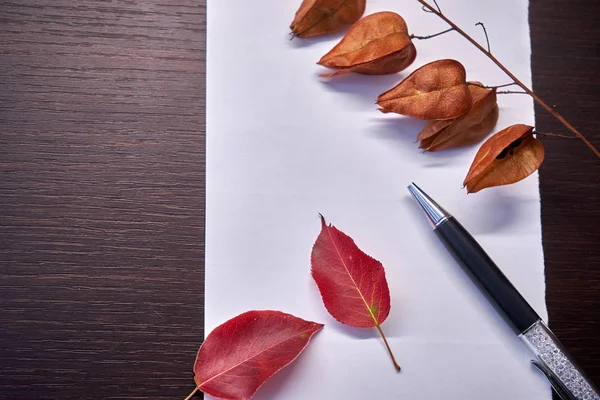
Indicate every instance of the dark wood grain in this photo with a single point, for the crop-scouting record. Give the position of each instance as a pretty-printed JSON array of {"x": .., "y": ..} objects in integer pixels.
[
  {"x": 102, "y": 192},
  {"x": 101, "y": 196},
  {"x": 565, "y": 61}
]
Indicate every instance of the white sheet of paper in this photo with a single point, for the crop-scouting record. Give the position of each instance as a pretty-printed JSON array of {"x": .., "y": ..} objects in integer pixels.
[{"x": 284, "y": 144}]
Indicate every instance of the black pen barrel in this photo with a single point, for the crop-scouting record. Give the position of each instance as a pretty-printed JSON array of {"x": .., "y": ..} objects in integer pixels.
[{"x": 486, "y": 274}]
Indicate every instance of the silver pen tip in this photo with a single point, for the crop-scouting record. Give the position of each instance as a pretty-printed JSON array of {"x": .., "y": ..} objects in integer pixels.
[{"x": 436, "y": 214}]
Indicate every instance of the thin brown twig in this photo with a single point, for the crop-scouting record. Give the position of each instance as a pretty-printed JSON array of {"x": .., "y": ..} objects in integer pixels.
[
  {"x": 555, "y": 135},
  {"x": 431, "y": 36},
  {"x": 490, "y": 87},
  {"x": 513, "y": 77},
  {"x": 487, "y": 39},
  {"x": 511, "y": 92}
]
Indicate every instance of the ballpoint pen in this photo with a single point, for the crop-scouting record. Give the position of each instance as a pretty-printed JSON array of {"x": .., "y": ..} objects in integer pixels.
[{"x": 566, "y": 378}]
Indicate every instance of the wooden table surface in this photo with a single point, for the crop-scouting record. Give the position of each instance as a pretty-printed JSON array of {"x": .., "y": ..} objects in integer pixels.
[{"x": 102, "y": 191}]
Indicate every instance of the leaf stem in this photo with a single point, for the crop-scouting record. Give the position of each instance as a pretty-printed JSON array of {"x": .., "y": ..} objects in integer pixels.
[
  {"x": 192, "y": 394},
  {"x": 499, "y": 86},
  {"x": 487, "y": 39},
  {"x": 511, "y": 92},
  {"x": 512, "y": 76},
  {"x": 490, "y": 87},
  {"x": 431, "y": 36},
  {"x": 388, "y": 347}
]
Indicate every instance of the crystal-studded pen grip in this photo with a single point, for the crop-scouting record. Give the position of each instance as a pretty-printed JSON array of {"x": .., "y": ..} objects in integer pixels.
[{"x": 557, "y": 361}]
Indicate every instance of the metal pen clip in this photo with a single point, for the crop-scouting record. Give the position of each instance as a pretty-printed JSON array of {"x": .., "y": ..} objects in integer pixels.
[{"x": 556, "y": 384}]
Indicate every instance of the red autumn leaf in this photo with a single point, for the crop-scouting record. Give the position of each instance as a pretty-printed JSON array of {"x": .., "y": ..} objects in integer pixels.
[
  {"x": 352, "y": 284},
  {"x": 238, "y": 356}
]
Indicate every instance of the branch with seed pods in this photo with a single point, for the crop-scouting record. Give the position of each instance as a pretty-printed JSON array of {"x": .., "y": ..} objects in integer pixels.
[{"x": 459, "y": 112}]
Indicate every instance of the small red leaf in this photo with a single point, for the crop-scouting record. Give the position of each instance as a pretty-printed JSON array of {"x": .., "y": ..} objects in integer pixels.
[
  {"x": 238, "y": 356},
  {"x": 352, "y": 284}
]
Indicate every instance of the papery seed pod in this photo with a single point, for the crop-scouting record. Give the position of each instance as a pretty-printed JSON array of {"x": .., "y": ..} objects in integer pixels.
[
  {"x": 507, "y": 157},
  {"x": 468, "y": 129},
  {"x": 318, "y": 17},
  {"x": 377, "y": 44},
  {"x": 437, "y": 90}
]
